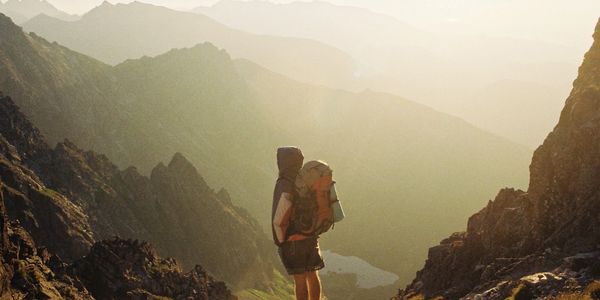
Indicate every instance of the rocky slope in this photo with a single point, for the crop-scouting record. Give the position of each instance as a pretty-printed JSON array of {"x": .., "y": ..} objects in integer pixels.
[
  {"x": 539, "y": 243},
  {"x": 67, "y": 198},
  {"x": 128, "y": 269},
  {"x": 115, "y": 269}
]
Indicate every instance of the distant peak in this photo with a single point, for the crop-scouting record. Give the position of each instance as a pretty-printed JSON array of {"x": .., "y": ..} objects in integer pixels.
[
  {"x": 160, "y": 166},
  {"x": 179, "y": 161},
  {"x": 134, "y": 7},
  {"x": 158, "y": 170},
  {"x": 8, "y": 28},
  {"x": 597, "y": 31},
  {"x": 100, "y": 8},
  {"x": 5, "y": 20},
  {"x": 224, "y": 196}
]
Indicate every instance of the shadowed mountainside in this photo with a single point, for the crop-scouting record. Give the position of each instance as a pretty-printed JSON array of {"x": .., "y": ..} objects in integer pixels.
[
  {"x": 46, "y": 235},
  {"x": 542, "y": 242},
  {"x": 67, "y": 199}
]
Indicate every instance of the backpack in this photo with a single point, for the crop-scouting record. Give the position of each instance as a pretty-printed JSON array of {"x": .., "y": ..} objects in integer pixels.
[{"x": 317, "y": 207}]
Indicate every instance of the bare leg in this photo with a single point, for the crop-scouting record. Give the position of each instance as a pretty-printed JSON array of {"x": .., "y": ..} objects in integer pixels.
[
  {"x": 301, "y": 286},
  {"x": 314, "y": 285}
]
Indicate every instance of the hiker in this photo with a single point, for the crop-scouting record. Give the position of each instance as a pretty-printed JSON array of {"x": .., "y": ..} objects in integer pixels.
[{"x": 299, "y": 253}]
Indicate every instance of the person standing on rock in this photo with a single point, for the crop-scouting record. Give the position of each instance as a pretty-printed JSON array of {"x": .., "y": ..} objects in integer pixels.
[{"x": 300, "y": 254}]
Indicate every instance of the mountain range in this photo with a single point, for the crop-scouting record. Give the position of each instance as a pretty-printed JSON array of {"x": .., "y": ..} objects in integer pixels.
[
  {"x": 23, "y": 10},
  {"x": 362, "y": 49},
  {"x": 226, "y": 114},
  {"x": 114, "y": 33},
  {"x": 536, "y": 244},
  {"x": 439, "y": 70},
  {"x": 71, "y": 219}
]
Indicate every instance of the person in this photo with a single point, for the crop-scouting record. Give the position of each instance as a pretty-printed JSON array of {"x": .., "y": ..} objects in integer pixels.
[{"x": 299, "y": 254}]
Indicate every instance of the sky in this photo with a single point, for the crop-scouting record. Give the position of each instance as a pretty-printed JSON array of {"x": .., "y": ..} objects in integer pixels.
[{"x": 558, "y": 21}]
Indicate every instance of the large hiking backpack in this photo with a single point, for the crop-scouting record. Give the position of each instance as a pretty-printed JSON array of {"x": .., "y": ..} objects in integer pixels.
[{"x": 317, "y": 208}]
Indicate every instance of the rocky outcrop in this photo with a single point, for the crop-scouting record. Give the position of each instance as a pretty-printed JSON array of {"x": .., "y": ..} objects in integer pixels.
[
  {"x": 115, "y": 269},
  {"x": 26, "y": 272},
  {"x": 128, "y": 269},
  {"x": 539, "y": 243}
]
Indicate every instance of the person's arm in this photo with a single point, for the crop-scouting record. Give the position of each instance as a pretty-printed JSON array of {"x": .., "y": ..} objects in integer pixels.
[{"x": 282, "y": 216}]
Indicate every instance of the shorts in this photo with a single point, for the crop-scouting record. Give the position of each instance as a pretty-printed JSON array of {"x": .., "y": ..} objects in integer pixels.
[{"x": 301, "y": 256}]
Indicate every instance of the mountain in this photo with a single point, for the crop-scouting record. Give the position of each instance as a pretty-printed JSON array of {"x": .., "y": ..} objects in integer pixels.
[
  {"x": 22, "y": 10},
  {"x": 112, "y": 269},
  {"x": 128, "y": 269},
  {"x": 356, "y": 30},
  {"x": 439, "y": 70},
  {"x": 114, "y": 33},
  {"x": 536, "y": 244},
  {"x": 49, "y": 247},
  {"x": 407, "y": 146},
  {"x": 67, "y": 199},
  {"x": 229, "y": 116},
  {"x": 377, "y": 51}
]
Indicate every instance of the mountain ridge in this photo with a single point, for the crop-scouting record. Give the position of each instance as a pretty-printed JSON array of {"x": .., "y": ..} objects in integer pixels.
[
  {"x": 395, "y": 57},
  {"x": 22, "y": 10},
  {"x": 105, "y": 32}
]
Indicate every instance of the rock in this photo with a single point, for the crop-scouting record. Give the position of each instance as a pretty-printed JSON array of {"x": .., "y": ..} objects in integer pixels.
[
  {"x": 541, "y": 242},
  {"x": 128, "y": 269},
  {"x": 538, "y": 279}
]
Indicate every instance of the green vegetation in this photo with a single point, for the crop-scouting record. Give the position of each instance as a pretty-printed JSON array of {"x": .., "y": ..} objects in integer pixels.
[
  {"x": 281, "y": 288},
  {"x": 51, "y": 193}
]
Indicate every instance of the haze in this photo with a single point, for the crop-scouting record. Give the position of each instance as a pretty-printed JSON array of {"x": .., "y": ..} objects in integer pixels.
[
  {"x": 424, "y": 108},
  {"x": 559, "y": 21}
]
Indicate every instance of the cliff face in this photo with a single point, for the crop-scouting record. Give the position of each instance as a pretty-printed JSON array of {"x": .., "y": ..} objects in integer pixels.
[
  {"x": 67, "y": 199},
  {"x": 542, "y": 242},
  {"x": 565, "y": 170}
]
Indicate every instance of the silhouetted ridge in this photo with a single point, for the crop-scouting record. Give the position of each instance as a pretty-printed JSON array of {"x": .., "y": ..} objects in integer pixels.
[{"x": 543, "y": 242}]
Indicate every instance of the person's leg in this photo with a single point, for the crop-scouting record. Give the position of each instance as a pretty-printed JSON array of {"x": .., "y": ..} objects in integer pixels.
[
  {"x": 301, "y": 286},
  {"x": 314, "y": 285}
]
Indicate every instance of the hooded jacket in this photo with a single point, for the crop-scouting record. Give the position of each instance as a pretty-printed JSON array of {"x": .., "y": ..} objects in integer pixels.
[{"x": 289, "y": 162}]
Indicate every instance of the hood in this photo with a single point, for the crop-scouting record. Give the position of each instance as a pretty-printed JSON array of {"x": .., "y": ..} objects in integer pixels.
[{"x": 289, "y": 161}]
